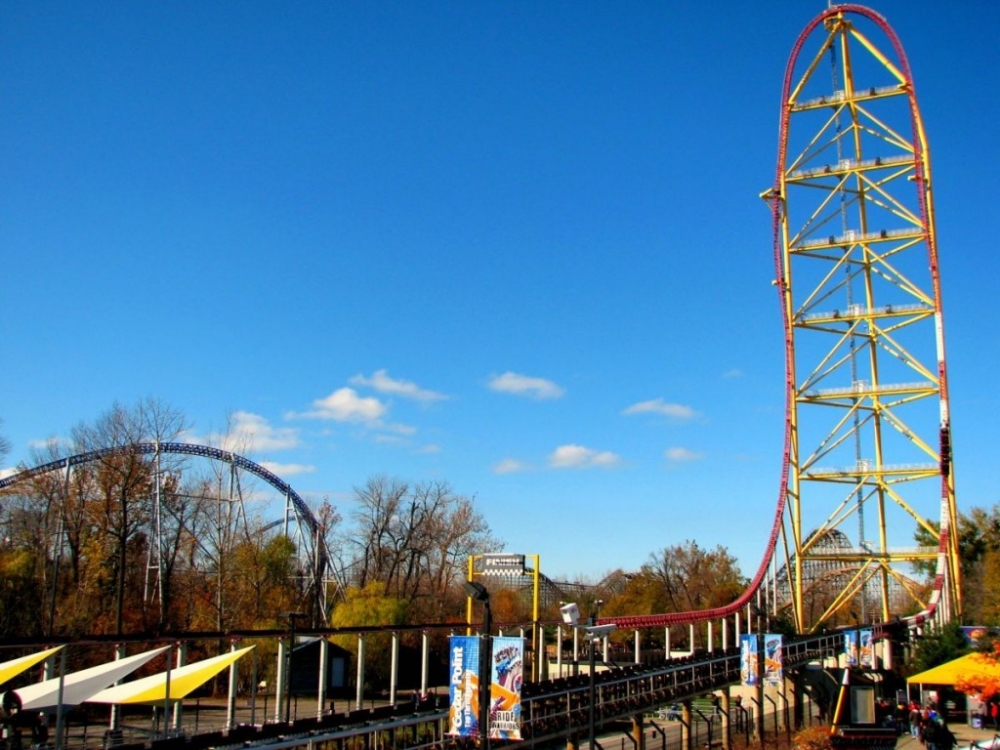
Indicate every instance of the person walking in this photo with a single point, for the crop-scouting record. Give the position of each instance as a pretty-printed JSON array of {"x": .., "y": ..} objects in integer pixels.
[
  {"x": 943, "y": 737},
  {"x": 914, "y": 720},
  {"x": 929, "y": 734}
]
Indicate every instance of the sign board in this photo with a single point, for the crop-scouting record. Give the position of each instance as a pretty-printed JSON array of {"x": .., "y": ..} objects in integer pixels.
[{"x": 503, "y": 564}]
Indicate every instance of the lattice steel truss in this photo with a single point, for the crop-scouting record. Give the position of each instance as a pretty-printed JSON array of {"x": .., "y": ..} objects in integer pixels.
[
  {"x": 857, "y": 267},
  {"x": 298, "y": 523}
]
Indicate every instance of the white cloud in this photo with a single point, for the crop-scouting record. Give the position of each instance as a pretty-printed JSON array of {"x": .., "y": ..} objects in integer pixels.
[
  {"x": 429, "y": 449},
  {"x": 393, "y": 432},
  {"x": 345, "y": 405},
  {"x": 682, "y": 455},
  {"x": 381, "y": 382},
  {"x": 252, "y": 431},
  {"x": 52, "y": 442},
  {"x": 397, "y": 428},
  {"x": 510, "y": 466},
  {"x": 287, "y": 470},
  {"x": 579, "y": 457},
  {"x": 189, "y": 436},
  {"x": 523, "y": 385},
  {"x": 736, "y": 372},
  {"x": 4, "y": 473},
  {"x": 659, "y": 406}
]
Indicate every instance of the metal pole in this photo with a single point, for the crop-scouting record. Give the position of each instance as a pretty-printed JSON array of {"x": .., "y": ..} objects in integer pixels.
[
  {"x": 324, "y": 645},
  {"x": 425, "y": 657},
  {"x": 231, "y": 696},
  {"x": 590, "y": 714},
  {"x": 559, "y": 640},
  {"x": 179, "y": 705},
  {"x": 576, "y": 651},
  {"x": 760, "y": 685},
  {"x": 484, "y": 676},
  {"x": 60, "y": 724},
  {"x": 394, "y": 669},
  {"x": 115, "y": 709},
  {"x": 360, "y": 691},
  {"x": 253, "y": 693},
  {"x": 288, "y": 672},
  {"x": 166, "y": 694},
  {"x": 281, "y": 683}
]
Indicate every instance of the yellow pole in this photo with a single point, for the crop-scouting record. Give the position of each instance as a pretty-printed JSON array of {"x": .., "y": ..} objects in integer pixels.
[
  {"x": 537, "y": 666},
  {"x": 468, "y": 600}
]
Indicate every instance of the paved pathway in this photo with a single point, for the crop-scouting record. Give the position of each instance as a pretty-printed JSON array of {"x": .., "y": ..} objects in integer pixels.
[{"x": 965, "y": 735}]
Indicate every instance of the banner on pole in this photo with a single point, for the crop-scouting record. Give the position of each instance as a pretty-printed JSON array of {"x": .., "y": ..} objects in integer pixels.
[
  {"x": 866, "y": 654},
  {"x": 772, "y": 659},
  {"x": 748, "y": 659},
  {"x": 773, "y": 666},
  {"x": 463, "y": 686},
  {"x": 505, "y": 688}
]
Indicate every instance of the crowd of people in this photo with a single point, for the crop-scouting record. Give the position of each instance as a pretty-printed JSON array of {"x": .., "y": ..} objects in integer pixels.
[{"x": 929, "y": 727}]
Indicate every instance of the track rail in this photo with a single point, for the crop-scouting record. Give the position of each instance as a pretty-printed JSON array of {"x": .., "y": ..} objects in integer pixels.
[{"x": 185, "y": 449}]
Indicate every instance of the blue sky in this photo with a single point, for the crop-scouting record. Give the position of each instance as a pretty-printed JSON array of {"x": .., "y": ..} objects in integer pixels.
[{"x": 514, "y": 246}]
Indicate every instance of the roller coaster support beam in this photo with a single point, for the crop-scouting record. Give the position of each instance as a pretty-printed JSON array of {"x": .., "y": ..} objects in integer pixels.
[
  {"x": 798, "y": 706},
  {"x": 687, "y": 736},
  {"x": 726, "y": 731},
  {"x": 638, "y": 732}
]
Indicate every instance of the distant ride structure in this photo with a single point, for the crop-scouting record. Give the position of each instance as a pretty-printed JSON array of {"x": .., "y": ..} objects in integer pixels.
[
  {"x": 297, "y": 521},
  {"x": 868, "y": 430}
]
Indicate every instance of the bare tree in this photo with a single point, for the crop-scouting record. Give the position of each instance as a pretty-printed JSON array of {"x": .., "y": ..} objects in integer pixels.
[
  {"x": 414, "y": 539},
  {"x": 125, "y": 478},
  {"x": 4, "y": 444},
  {"x": 376, "y": 518}
]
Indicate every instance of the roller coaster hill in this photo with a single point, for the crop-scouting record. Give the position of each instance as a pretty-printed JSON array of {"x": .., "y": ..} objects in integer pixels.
[{"x": 867, "y": 452}]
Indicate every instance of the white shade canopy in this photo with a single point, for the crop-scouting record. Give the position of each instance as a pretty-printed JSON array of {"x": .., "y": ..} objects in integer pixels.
[
  {"x": 81, "y": 686},
  {"x": 183, "y": 680}
]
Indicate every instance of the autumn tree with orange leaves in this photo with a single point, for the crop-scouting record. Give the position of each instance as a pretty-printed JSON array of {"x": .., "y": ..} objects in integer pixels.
[{"x": 984, "y": 684}]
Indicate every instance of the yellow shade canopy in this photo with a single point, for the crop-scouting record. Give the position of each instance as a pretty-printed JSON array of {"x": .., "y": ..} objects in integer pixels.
[
  {"x": 183, "y": 680},
  {"x": 967, "y": 667},
  {"x": 14, "y": 667}
]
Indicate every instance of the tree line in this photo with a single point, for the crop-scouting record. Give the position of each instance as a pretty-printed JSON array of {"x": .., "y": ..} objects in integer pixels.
[{"x": 78, "y": 553}]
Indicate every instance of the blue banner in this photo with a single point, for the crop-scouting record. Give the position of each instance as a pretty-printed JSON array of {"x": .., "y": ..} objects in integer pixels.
[
  {"x": 463, "y": 686},
  {"x": 505, "y": 688},
  {"x": 748, "y": 659},
  {"x": 851, "y": 648}
]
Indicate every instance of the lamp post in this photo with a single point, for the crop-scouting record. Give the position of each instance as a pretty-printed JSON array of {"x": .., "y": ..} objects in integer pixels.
[
  {"x": 478, "y": 592},
  {"x": 291, "y": 617},
  {"x": 594, "y": 633},
  {"x": 761, "y": 670}
]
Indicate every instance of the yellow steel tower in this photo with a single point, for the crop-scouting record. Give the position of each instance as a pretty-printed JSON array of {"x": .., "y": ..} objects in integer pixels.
[{"x": 868, "y": 432}]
